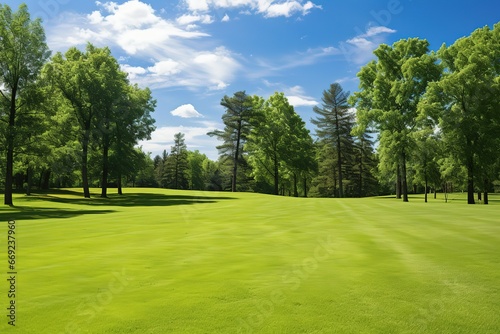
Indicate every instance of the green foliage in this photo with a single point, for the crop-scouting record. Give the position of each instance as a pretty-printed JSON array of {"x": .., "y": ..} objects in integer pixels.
[
  {"x": 278, "y": 144},
  {"x": 334, "y": 126},
  {"x": 239, "y": 110},
  {"x": 23, "y": 52},
  {"x": 465, "y": 104},
  {"x": 195, "y": 173},
  {"x": 390, "y": 90}
]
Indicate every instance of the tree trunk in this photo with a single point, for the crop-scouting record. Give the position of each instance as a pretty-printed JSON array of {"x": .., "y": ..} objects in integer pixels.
[
  {"x": 8, "y": 171},
  {"x": 105, "y": 168},
  {"x": 305, "y": 186},
  {"x": 435, "y": 193},
  {"x": 479, "y": 196},
  {"x": 276, "y": 175},
  {"x": 295, "y": 190},
  {"x": 85, "y": 153},
  {"x": 29, "y": 172},
  {"x": 486, "y": 186},
  {"x": 446, "y": 192},
  {"x": 119, "y": 183},
  {"x": 360, "y": 191},
  {"x": 339, "y": 156},
  {"x": 426, "y": 187},
  {"x": 236, "y": 156},
  {"x": 10, "y": 148},
  {"x": 398, "y": 182},
  {"x": 46, "y": 179},
  {"x": 40, "y": 179},
  {"x": 470, "y": 180},
  {"x": 405, "y": 184}
]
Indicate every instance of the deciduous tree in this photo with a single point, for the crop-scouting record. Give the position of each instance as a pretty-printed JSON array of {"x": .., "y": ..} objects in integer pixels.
[{"x": 23, "y": 52}]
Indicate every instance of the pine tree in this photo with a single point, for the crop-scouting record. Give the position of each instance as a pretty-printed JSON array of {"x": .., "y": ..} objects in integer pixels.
[
  {"x": 239, "y": 111},
  {"x": 334, "y": 125}
]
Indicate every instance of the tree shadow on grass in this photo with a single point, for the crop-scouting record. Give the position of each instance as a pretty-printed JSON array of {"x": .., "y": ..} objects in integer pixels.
[
  {"x": 21, "y": 213},
  {"x": 71, "y": 197},
  {"x": 127, "y": 200}
]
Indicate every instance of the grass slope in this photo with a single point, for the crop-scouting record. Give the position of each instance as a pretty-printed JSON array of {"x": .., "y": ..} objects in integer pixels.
[{"x": 158, "y": 261}]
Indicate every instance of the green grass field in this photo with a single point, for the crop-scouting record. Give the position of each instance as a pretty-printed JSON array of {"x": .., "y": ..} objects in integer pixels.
[{"x": 163, "y": 261}]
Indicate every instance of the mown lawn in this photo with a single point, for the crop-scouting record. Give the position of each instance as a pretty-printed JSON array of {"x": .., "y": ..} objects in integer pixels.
[{"x": 163, "y": 261}]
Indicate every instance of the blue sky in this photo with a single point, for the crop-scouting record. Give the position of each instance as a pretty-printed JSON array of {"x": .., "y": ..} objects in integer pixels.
[{"x": 193, "y": 52}]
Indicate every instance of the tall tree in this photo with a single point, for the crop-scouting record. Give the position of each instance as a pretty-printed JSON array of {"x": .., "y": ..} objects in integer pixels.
[
  {"x": 239, "y": 110},
  {"x": 276, "y": 139},
  {"x": 23, "y": 52},
  {"x": 334, "y": 125},
  {"x": 426, "y": 156},
  {"x": 464, "y": 103},
  {"x": 390, "y": 90},
  {"x": 94, "y": 87},
  {"x": 131, "y": 122},
  {"x": 365, "y": 164},
  {"x": 177, "y": 163},
  {"x": 73, "y": 76},
  {"x": 107, "y": 88},
  {"x": 325, "y": 182}
]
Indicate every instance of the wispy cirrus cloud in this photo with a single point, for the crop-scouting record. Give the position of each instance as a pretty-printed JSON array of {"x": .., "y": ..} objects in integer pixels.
[
  {"x": 359, "y": 49},
  {"x": 296, "y": 95},
  {"x": 136, "y": 29},
  {"x": 267, "y": 8}
]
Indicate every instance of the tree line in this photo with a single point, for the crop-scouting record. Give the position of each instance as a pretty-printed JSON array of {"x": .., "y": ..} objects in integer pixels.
[
  {"x": 420, "y": 121},
  {"x": 437, "y": 114},
  {"x": 435, "y": 117},
  {"x": 72, "y": 115}
]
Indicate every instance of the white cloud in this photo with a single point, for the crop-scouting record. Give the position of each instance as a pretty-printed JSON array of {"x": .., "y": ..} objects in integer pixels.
[
  {"x": 188, "y": 19},
  {"x": 133, "y": 71},
  {"x": 186, "y": 111},
  {"x": 268, "y": 8},
  {"x": 197, "y": 5},
  {"x": 196, "y": 138},
  {"x": 165, "y": 67},
  {"x": 346, "y": 79},
  {"x": 359, "y": 49},
  {"x": 131, "y": 14},
  {"x": 295, "y": 95},
  {"x": 374, "y": 31},
  {"x": 218, "y": 65},
  {"x": 288, "y": 8},
  {"x": 225, "y": 18},
  {"x": 134, "y": 27},
  {"x": 309, "y": 57},
  {"x": 298, "y": 101}
]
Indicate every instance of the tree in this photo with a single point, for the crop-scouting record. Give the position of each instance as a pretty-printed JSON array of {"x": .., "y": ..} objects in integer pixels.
[
  {"x": 365, "y": 163},
  {"x": 426, "y": 155},
  {"x": 131, "y": 122},
  {"x": 106, "y": 90},
  {"x": 73, "y": 76},
  {"x": 145, "y": 173},
  {"x": 239, "y": 110},
  {"x": 334, "y": 125},
  {"x": 324, "y": 183},
  {"x": 464, "y": 103},
  {"x": 177, "y": 163},
  {"x": 195, "y": 173},
  {"x": 390, "y": 90},
  {"x": 23, "y": 52},
  {"x": 277, "y": 138}
]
